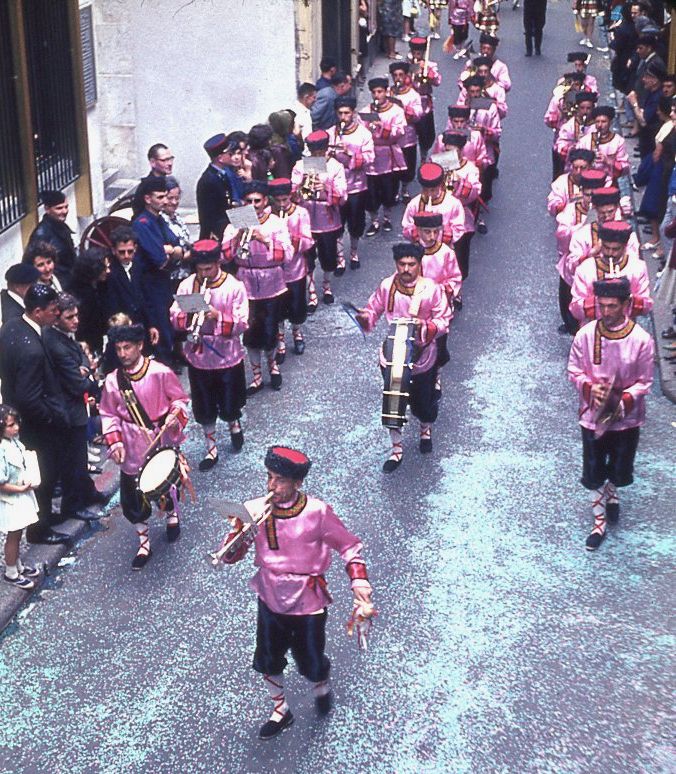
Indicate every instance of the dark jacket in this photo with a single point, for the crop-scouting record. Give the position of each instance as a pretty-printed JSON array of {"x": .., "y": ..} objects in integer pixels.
[
  {"x": 67, "y": 356},
  {"x": 92, "y": 309},
  {"x": 29, "y": 380},
  {"x": 214, "y": 196},
  {"x": 59, "y": 235},
  {"x": 123, "y": 294},
  {"x": 9, "y": 308}
]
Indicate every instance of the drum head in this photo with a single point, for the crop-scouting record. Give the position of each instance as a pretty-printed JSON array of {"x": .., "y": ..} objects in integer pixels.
[{"x": 157, "y": 469}]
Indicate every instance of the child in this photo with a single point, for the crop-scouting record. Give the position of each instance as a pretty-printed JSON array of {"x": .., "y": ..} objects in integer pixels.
[{"x": 18, "y": 506}]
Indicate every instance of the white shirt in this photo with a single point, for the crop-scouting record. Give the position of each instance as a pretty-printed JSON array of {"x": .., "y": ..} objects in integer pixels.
[
  {"x": 303, "y": 119},
  {"x": 16, "y": 297},
  {"x": 33, "y": 324}
]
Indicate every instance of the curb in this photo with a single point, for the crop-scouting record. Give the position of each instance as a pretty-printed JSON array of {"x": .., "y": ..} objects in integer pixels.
[{"x": 13, "y": 600}]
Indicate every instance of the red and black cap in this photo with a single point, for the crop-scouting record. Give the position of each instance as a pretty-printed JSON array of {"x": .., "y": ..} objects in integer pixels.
[
  {"x": 615, "y": 231},
  {"x": 417, "y": 42},
  {"x": 616, "y": 287},
  {"x": 430, "y": 174},
  {"x": 280, "y": 186},
  {"x": 428, "y": 219},
  {"x": 287, "y": 462},
  {"x": 592, "y": 178},
  {"x": 317, "y": 140},
  {"x": 602, "y": 196},
  {"x": 458, "y": 111},
  {"x": 206, "y": 251}
]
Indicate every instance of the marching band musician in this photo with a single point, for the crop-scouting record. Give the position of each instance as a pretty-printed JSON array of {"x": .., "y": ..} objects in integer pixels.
[
  {"x": 491, "y": 88},
  {"x": 424, "y": 81},
  {"x": 609, "y": 147},
  {"x": 351, "y": 143},
  {"x": 435, "y": 197},
  {"x": 394, "y": 298},
  {"x": 475, "y": 147},
  {"x": 485, "y": 17},
  {"x": 459, "y": 17},
  {"x": 613, "y": 260},
  {"x": 580, "y": 60},
  {"x": 488, "y": 45},
  {"x": 293, "y": 553},
  {"x": 407, "y": 97},
  {"x": 214, "y": 349},
  {"x": 611, "y": 360},
  {"x": 573, "y": 130},
  {"x": 434, "y": 7},
  {"x": 557, "y": 114},
  {"x": 566, "y": 187},
  {"x": 259, "y": 262},
  {"x": 573, "y": 215},
  {"x": 439, "y": 262},
  {"x": 465, "y": 184},
  {"x": 294, "y": 301},
  {"x": 322, "y": 194},
  {"x": 140, "y": 399},
  {"x": 389, "y": 158}
]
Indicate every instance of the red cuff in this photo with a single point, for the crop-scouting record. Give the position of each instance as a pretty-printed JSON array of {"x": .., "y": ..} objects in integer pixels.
[
  {"x": 115, "y": 436},
  {"x": 358, "y": 161},
  {"x": 430, "y": 332},
  {"x": 384, "y": 133},
  {"x": 226, "y": 327},
  {"x": 586, "y": 391},
  {"x": 589, "y": 307},
  {"x": 628, "y": 401},
  {"x": 637, "y": 305},
  {"x": 356, "y": 571},
  {"x": 182, "y": 418},
  {"x": 277, "y": 254}
]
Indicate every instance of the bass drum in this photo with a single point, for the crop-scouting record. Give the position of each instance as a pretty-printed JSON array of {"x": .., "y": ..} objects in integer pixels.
[
  {"x": 159, "y": 473},
  {"x": 399, "y": 352}
]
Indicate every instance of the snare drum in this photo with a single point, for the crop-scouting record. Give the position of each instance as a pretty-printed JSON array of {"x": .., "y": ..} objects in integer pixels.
[
  {"x": 160, "y": 471},
  {"x": 399, "y": 352}
]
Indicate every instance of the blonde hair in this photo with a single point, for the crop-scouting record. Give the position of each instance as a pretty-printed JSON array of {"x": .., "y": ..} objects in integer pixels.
[{"x": 118, "y": 319}]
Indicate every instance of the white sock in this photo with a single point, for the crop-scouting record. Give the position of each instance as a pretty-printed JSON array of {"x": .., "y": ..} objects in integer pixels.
[
  {"x": 426, "y": 430},
  {"x": 210, "y": 440},
  {"x": 599, "y": 511},
  {"x": 235, "y": 426},
  {"x": 275, "y": 686},
  {"x": 12, "y": 571},
  {"x": 144, "y": 539},
  {"x": 611, "y": 493},
  {"x": 397, "y": 450},
  {"x": 354, "y": 246},
  {"x": 19, "y": 565},
  {"x": 321, "y": 688}
]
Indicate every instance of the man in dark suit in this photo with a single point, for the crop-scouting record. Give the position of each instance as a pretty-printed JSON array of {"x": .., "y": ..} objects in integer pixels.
[
  {"x": 219, "y": 187},
  {"x": 30, "y": 385},
  {"x": 18, "y": 278},
  {"x": 161, "y": 161},
  {"x": 54, "y": 230},
  {"x": 77, "y": 383}
]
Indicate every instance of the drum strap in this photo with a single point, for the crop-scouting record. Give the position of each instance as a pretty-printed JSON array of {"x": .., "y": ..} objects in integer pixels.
[{"x": 138, "y": 414}]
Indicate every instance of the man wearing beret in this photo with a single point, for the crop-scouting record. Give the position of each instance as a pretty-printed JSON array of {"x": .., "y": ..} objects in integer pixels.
[
  {"x": 613, "y": 260},
  {"x": 491, "y": 88},
  {"x": 609, "y": 148},
  {"x": 407, "y": 294},
  {"x": 557, "y": 113},
  {"x": 574, "y": 214},
  {"x": 488, "y": 45},
  {"x": 389, "y": 160},
  {"x": 408, "y": 98},
  {"x": 351, "y": 143},
  {"x": 258, "y": 256},
  {"x": 573, "y": 130},
  {"x": 141, "y": 400},
  {"x": 294, "y": 302},
  {"x": 611, "y": 366},
  {"x": 156, "y": 251},
  {"x": 566, "y": 187},
  {"x": 214, "y": 348},
  {"x": 488, "y": 123},
  {"x": 425, "y": 78},
  {"x": 293, "y": 552},
  {"x": 19, "y": 278},
  {"x": 54, "y": 230},
  {"x": 475, "y": 148},
  {"x": 219, "y": 187}
]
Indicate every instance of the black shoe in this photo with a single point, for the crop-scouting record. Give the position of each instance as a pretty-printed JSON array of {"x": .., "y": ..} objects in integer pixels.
[
  {"x": 405, "y": 198},
  {"x": 207, "y": 463},
  {"x": 389, "y": 466},
  {"x": 276, "y": 381},
  {"x": 594, "y": 541},
  {"x": 140, "y": 560},
  {"x": 354, "y": 264},
  {"x": 99, "y": 498},
  {"x": 299, "y": 346},
  {"x": 457, "y": 302},
  {"x": 612, "y": 513},
  {"x": 48, "y": 537},
  {"x": 270, "y": 729},
  {"x": 237, "y": 440},
  {"x": 481, "y": 227},
  {"x": 563, "y": 328},
  {"x": 387, "y": 226},
  {"x": 252, "y": 389},
  {"x": 280, "y": 357},
  {"x": 529, "y": 53},
  {"x": 426, "y": 445},
  {"x": 373, "y": 229},
  {"x": 173, "y": 532},
  {"x": 323, "y": 704},
  {"x": 340, "y": 270},
  {"x": 85, "y": 514},
  {"x": 311, "y": 308},
  {"x": 328, "y": 297},
  {"x": 669, "y": 333}
]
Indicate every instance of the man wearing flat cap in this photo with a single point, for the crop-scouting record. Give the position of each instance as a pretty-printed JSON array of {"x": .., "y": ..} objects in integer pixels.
[
  {"x": 293, "y": 552},
  {"x": 141, "y": 400},
  {"x": 19, "y": 278},
  {"x": 608, "y": 146},
  {"x": 611, "y": 366},
  {"x": 351, "y": 143},
  {"x": 612, "y": 261},
  {"x": 219, "y": 187},
  {"x": 407, "y": 294},
  {"x": 54, "y": 230}
]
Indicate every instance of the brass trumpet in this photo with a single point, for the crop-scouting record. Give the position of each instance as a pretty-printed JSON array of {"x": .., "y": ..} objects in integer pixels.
[
  {"x": 198, "y": 319},
  {"x": 244, "y": 247},
  {"x": 308, "y": 188},
  {"x": 247, "y": 531}
]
